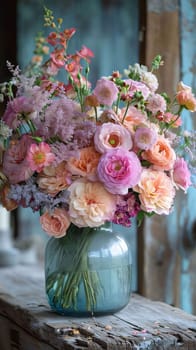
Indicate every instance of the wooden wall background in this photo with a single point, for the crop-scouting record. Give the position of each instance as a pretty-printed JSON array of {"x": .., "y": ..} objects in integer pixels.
[
  {"x": 169, "y": 243},
  {"x": 165, "y": 247}
]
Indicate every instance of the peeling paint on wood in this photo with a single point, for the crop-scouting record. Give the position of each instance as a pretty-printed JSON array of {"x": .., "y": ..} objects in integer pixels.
[{"x": 164, "y": 5}]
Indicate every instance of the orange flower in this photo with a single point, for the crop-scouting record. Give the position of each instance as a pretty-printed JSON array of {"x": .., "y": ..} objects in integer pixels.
[
  {"x": 87, "y": 163},
  {"x": 55, "y": 223},
  {"x": 186, "y": 99},
  {"x": 161, "y": 155},
  {"x": 54, "y": 179}
]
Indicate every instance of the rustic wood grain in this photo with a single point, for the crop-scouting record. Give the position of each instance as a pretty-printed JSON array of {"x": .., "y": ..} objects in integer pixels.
[
  {"x": 170, "y": 242},
  {"x": 143, "y": 324}
]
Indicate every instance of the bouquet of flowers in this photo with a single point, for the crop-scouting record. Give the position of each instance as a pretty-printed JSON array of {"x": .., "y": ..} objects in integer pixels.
[{"x": 83, "y": 154}]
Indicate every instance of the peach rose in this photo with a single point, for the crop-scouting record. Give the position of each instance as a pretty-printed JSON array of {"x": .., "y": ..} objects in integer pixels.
[
  {"x": 86, "y": 164},
  {"x": 133, "y": 118},
  {"x": 54, "y": 179},
  {"x": 55, "y": 223},
  {"x": 90, "y": 204},
  {"x": 7, "y": 203},
  {"x": 156, "y": 192},
  {"x": 161, "y": 155}
]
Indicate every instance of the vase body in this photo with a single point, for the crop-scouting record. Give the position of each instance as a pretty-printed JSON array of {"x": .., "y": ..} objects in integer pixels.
[{"x": 88, "y": 272}]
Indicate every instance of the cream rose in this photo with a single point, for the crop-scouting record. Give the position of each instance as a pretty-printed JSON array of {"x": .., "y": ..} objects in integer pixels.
[{"x": 90, "y": 204}]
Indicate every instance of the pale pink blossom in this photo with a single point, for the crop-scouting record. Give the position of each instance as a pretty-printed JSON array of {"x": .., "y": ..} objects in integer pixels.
[
  {"x": 90, "y": 204},
  {"x": 119, "y": 170},
  {"x": 106, "y": 91},
  {"x": 110, "y": 135},
  {"x": 145, "y": 138},
  {"x": 156, "y": 192},
  {"x": 137, "y": 86},
  {"x": 181, "y": 174},
  {"x": 156, "y": 103}
]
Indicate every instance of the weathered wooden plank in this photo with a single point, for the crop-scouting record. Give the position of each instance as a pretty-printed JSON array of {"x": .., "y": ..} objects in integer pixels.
[
  {"x": 143, "y": 324},
  {"x": 169, "y": 242}
]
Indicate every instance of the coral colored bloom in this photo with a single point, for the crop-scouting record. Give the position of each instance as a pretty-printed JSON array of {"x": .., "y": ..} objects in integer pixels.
[
  {"x": 161, "y": 155},
  {"x": 119, "y": 170},
  {"x": 145, "y": 138},
  {"x": 39, "y": 156},
  {"x": 86, "y": 164},
  {"x": 110, "y": 135},
  {"x": 55, "y": 223},
  {"x": 58, "y": 58},
  {"x": 186, "y": 99},
  {"x": 181, "y": 174},
  {"x": 52, "y": 179},
  {"x": 156, "y": 192},
  {"x": 90, "y": 204},
  {"x": 105, "y": 91}
]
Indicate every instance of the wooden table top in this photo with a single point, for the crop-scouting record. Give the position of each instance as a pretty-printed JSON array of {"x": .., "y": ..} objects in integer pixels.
[{"x": 143, "y": 324}]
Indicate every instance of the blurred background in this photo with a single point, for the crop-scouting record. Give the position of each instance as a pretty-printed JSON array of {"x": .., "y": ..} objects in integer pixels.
[{"x": 120, "y": 33}]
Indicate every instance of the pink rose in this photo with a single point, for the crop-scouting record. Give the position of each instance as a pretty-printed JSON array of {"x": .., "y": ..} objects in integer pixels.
[
  {"x": 15, "y": 164},
  {"x": 55, "y": 223},
  {"x": 181, "y": 174},
  {"x": 119, "y": 170},
  {"x": 110, "y": 135}
]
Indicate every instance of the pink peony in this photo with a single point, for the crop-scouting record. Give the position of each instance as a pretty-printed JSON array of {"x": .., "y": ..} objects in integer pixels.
[
  {"x": 110, "y": 135},
  {"x": 90, "y": 204},
  {"x": 106, "y": 92},
  {"x": 181, "y": 174},
  {"x": 55, "y": 223},
  {"x": 156, "y": 192},
  {"x": 15, "y": 164},
  {"x": 119, "y": 170}
]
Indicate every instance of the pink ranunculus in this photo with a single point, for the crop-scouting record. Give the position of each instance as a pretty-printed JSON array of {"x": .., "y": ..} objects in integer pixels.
[
  {"x": 90, "y": 205},
  {"x": 110, "y": 135},
  {"x": 55, "y": 223},
  {"x": 156, "y": 191},
  {"x": 181, "y": 174},
  {"x": 106, "y": 91},
  {"x": 15, "y": 164},
  {"x": 119, "y": 170}
]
